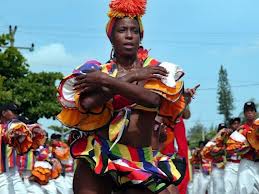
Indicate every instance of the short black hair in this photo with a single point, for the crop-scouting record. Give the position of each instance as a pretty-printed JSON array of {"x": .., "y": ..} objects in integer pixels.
[
  {"x": 232, "y": 120},
  {"x": 24, "y": 119},
  {"x": 10, "y": 106},
  {"x": 221, "y": 126},
  {"x": 248, "y": 105},
  {"x": 55, "y": 136},
  {"x": 202, "y": 142}
]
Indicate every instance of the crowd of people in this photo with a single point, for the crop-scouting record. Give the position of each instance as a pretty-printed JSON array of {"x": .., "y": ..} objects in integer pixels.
[
  {"x": 229, "y": 163},
  {"x": 30, "y": 162}
]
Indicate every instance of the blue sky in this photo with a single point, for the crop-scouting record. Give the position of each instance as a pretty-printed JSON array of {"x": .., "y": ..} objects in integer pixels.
[{"x": 196, "y": 34}]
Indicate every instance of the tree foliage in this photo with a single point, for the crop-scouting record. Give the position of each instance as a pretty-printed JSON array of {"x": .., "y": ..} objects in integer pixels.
[
  {"x": 196, "y": 134},
  {"x": 225, "y": 98},
  {"x": 200, "y": 133},
  {"x": 4, "y": 39},
  {"x": 211, "y": 132},
  {"x": 59, "y": 129},
  {"x": 5, "y": 95},
  {"x": 35, "y": 93}
]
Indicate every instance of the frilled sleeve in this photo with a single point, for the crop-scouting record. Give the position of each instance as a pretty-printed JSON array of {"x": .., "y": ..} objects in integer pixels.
[
  {"x": 237, "y": 142},
  {"x": 171, "y": 90},
  {"x": 72, "y": 114},
  {"x": 86, "y": 121},
  {"x": 19, "y": 136}
]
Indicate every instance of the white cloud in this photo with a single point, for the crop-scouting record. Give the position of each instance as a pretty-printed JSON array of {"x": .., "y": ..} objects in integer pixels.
[{"x": 53, "y": 57}]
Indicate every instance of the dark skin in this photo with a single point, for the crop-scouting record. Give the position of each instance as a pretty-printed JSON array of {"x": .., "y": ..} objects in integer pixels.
[
  {"x": 235, "y": 125},
  {"x": 126, "y": 40},
  {"x": 250, "y": 115},
  {"x": 7, "y": 115}
]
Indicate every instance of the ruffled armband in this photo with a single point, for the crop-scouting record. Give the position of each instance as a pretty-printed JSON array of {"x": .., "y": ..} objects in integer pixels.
[
  {"x": 171, "y": 90},
  {"x": 19, "y": 136},
  {"x": 72, "y": 114}
]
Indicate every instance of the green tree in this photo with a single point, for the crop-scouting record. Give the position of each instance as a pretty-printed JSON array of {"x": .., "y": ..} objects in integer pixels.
[
  {"x": 196, "y": 134},
  {"x": 60, "y": 129},
  {"x": 225, "y": 98},
  {"x": 212, "y": 131},
  {"x": 5, "y": 95},
  {"x": 35, "y": 93},
  {"x": 4, "y": 39}
]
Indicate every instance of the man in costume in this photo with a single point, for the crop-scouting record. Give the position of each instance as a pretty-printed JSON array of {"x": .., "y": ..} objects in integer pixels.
[
  {"x": 239, "y": 142},
  {"x": 10, "y": 180},
  {"x": 60, "y": 151},
  {"x": 216, "y": 150},
  {"x": 178, "y": 133},
  {"x": 233, "y": 161},
  {"x": 46, "y": 169},
  {"x": 201, "y": 171}
]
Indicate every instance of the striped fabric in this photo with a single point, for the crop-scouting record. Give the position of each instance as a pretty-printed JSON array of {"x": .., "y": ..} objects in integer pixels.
[
  {"x": 8, "y": 154},
  {"x": 2, "y": 151},
  {"x": 11, "y": 156},
  {"x": 25, "y": 162},
  {"x": 129, "y": 165},
  {"x": 8, "y": 157}
]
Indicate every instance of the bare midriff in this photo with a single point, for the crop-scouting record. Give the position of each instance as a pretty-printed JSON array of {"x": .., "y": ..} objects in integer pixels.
[{"x": 139, "y": 131}]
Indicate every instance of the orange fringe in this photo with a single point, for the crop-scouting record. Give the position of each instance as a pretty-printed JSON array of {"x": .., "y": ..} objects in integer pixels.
[
  {"x": 41, "y": 175},
  {"x": 130, "y": 8},
  {"x": 39, "y": 137},
  {"x": 61, "y": 151},
  {"x": 17, "y": 132},
  {"x": 56, "y": 168}
]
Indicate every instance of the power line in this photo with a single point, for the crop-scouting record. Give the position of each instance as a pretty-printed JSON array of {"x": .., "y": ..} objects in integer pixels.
[
  {"x": 57, "y": 28},
  {"x": 235, "y": 86}
]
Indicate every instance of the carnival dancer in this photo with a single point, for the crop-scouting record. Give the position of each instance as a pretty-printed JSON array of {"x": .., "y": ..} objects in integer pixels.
[
  {"x": 201, "y": 171},
  {"x": 46, "y": 169},
  {"x": 115, "y": 104},
  {"x": 244, "y": 142},
  {"x": 215, "y": 150},
  {"x": 60, "y": 151},
  {"x": 233, "y": 161},
  {"x": 26, "y": 161},
  {"x": 25, "y": 165},
  {"x": 177, "y": 135},
  {"x": 11, "y": 181}
]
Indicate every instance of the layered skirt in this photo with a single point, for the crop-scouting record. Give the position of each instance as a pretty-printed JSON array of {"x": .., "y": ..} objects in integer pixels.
[{"x": 129, "y": 166}]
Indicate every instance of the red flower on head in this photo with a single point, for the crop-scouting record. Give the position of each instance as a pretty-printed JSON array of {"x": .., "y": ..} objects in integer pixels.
[{"x": 142, "y": 53}]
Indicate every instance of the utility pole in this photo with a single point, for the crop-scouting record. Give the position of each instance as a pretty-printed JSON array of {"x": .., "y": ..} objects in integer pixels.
[
  {"x": 203, "y": 135},
  {"x": 11, "y": 34}
]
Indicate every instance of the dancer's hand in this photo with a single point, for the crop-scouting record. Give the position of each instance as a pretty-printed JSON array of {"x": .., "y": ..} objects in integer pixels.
[
  {"x": 148, "y": 73},
  {"x": 90, "y": 81},
  {"x": 190, "y": 92}
]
